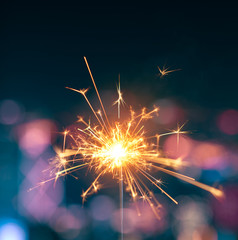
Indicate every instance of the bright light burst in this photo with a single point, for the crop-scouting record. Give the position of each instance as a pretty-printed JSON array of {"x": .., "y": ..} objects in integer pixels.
[{"x": 122, "y": 149}]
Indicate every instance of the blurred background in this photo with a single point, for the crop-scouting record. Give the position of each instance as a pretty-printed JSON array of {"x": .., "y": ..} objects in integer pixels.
[{"x": 42, "y": 48}]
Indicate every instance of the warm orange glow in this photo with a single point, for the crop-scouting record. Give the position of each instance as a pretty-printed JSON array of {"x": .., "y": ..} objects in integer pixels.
[
  {"x": 123, "y": 149},
  {"x": 116, "y": 153}
]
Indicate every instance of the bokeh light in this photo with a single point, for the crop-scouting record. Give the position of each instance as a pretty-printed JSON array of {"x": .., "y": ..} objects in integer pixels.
[
  {"x": 70, "y": 221},
  {"x": 209, "y": 155},
  {"x": 147, "y": 223},
  {"x": 10, "y": 112},
  {"x": 228, "y": 122},
  {"x": 205, "y": 232},
  {"x": 178, "y": 146},
  {"x": 191, "y": 216},
  {"x": 226, "y": 211},
  {"x": 35, "y": 136},
  {"x": 11, "y": 229},
  {"x": 129, "y": 220},
  {"x": 102, "y": 208}
]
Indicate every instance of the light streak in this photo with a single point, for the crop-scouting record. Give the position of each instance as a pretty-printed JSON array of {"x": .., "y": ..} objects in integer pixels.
[
  {"x": 120, "y": 101},
  {"x": 165, "y": 71},
  {"x": 122, "y": 149}
]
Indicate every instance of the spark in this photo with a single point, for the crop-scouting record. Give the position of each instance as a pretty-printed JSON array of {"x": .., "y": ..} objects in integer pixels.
[
  {"x": 120, "y": 101},
  {"x": 122, "y": 149},
  {"x": 165, "y": 71}
]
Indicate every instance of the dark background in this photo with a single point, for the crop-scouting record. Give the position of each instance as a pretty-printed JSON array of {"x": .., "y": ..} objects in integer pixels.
[{"x": 42, "y": 48}]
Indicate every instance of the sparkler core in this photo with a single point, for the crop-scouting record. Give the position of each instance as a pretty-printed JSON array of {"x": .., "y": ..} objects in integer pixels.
[
  {"x": 116, "y": 150},
  {"x": 118, "y": 154}
]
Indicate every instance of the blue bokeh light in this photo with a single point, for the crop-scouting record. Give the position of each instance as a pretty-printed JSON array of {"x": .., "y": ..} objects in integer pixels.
[{"x": 11, "y": 229}]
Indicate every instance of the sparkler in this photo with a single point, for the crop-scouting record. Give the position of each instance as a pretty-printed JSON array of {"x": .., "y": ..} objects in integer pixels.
[
  {"x": 122, "y": 149},
  {"x": 165, "y": 71}
]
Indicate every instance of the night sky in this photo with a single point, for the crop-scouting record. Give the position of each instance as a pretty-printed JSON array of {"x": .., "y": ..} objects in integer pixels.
[{"x": 42, "y": 49}]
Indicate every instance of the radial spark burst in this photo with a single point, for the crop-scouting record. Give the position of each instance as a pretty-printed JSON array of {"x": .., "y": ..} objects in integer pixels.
[{"x": 122, "y": 149}]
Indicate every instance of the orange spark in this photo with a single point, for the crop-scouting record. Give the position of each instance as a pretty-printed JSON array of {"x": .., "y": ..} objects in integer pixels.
[{"x": 165, "y": 71}]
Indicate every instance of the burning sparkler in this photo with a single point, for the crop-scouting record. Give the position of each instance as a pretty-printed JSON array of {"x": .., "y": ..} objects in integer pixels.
[
  {"x": 165, "y": 71},
  {"x": 122, "y": 149}
]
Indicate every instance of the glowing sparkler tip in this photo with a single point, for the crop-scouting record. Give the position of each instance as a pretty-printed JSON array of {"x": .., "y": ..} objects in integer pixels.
[
  {"x": 80, "y": 119},
  {"x": 218, "y": 193},
  {"x": 83, "y": 91},
  {"x": 165, "y": 71}
]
